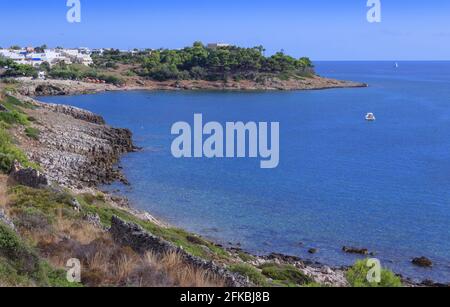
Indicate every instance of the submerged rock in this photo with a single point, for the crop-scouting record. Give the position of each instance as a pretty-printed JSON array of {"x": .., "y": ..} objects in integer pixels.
[
  {"x": 354, "y": 250},
  {"x": 422, "y": 262},
  {"x": 312, "y": 251}
]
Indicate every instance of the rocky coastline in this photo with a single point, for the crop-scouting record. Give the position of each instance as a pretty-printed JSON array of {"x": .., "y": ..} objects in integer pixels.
[
  {"x": 33, "y": 87},
  {"x": 79, "y": 151}
]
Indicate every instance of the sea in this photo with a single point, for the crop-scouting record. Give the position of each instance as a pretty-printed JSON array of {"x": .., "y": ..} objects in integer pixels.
[{"x": 341, "y": 180}]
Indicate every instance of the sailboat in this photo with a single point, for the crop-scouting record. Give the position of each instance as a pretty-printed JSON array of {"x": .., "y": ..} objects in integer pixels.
[{"x": 396, "y": 65}]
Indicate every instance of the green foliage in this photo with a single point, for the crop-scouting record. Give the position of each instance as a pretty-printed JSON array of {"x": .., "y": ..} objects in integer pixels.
[
  {"x": 357, "y": 277},
  {"x": 9, "y": 153},
  {"x": 13, "y": 117},
  {"x": 47, "y": 201},
  {"x": 32, "y": 133},
  {"x": 18, "y": 70},
  {"x": 20, "y": 256},
  {"x": 251, "y": 272},
  {"x": 79, "y": 72},
  {"x": 14, "y": 114},
  {"x": 202, "y": 63},
  {"x": 20, "y": 265},
  {"x": 286, "y": 274},
  {"x": 245, "y": 257}
]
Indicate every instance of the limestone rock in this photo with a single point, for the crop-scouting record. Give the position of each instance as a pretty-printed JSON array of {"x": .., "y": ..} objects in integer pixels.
[
  {"x": 28, "y": 176},
  {"x": 6, "y": 220}
]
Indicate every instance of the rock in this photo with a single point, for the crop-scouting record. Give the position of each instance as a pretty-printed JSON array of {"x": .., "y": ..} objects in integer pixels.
[
  {"x": 94, "y": 219},
  {"x": 423, "y": 262},
  {"x": 354, "y": 250},
  {"x": 48, "y": 90},
  {"x": 312, "y": 251},
  {"x": 6, "y": 220},
  {"x": 76, "y": 113},
  {"x": 276, "y": 257},
  {"x": 326, "y": 270},
  {"x": 28, "y": 176},
  {"x": 75, "y": 205}
]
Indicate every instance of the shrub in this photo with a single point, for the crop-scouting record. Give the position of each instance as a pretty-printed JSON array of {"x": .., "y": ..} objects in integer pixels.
[
  {"x": 9, "y": 153},
  {"x": 357, "y": 276},
  {"x": 251, "y": 272},
  {"x": 287, "y": 274},
  {"x": 32, "y": 133},
  {"x": 12, "y": 248},
  {"x": 13, "y": 117}
]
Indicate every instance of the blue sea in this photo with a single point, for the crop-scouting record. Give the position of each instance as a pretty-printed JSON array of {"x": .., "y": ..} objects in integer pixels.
[{"x": 381, "y": 185}]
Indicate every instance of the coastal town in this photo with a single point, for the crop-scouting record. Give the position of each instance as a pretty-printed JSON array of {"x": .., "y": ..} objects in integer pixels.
[{"x": 37, "y": 56}]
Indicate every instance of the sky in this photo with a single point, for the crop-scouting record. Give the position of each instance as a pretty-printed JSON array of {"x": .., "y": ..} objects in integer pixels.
[{"x": 319, "y": 29}]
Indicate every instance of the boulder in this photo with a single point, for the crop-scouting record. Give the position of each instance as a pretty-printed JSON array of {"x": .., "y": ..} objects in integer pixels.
[
  {"x": 422, "y": 262},
  {"x": 75, "y": 205},
  {"x": 6, "y": 220},
  {"x": 312, "y": 251},
  {"x": 354, "y": 250},
  {"x": 28, "y": 176}
]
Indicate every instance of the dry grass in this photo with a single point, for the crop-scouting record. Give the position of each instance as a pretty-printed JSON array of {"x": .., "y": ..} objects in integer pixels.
[
  {"x": 104, "y": 263},
  {"x": 3, "y": 191},
  {"x": 182, "y": 274}
]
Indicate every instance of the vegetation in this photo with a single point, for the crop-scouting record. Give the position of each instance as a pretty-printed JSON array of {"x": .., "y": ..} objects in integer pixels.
[
  {"x": 251, "y": 272},
  {"x": 202, "y": 63},
  {"x": 21, "y": 266},
  {"x": 32, "y": 133},
  {"x": 287, "y": 275},
  {"x": 357, "y": 277},
  {"x": 79, "y": 72},
  {"x": 13, "y": 115},
  {"x": 191, "y": 63},
  {"x": 17, "y": 70},
  {"x": 44, "y": 216}
]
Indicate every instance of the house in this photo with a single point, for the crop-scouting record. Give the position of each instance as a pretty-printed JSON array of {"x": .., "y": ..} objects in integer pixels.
[{"x": 217, "y": 45}]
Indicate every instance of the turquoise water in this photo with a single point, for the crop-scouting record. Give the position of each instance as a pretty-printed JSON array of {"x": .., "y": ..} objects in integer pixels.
[{"x": 341, "y": 180}]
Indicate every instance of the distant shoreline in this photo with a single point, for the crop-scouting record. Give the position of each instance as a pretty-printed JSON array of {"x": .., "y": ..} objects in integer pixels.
[{"x": 53, "y": 87}]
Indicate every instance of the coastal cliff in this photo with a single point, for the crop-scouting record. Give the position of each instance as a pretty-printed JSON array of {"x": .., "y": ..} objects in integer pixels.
[{"x": 75, "y": 147}]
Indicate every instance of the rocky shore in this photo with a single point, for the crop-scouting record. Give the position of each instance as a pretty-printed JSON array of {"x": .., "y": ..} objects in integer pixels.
[
  {"x": 75, "y": 147},
  {"x": 30, "y": 87}
]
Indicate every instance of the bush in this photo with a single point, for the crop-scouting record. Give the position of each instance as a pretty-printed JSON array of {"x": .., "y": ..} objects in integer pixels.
[
  {"x": 13, "y": 117},
  {"x": 357, "y": 277},
  {"x": 9, "y": 153},
  {"x": 287, "y": 274},
  {"x": 12, "y": 248},
  {"x": 251, "y": 272},
  {"x": 32, "y": 133}
]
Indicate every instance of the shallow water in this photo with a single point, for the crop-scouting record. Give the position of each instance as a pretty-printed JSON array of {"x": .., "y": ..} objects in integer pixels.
[{"x": 341, "y": 180}]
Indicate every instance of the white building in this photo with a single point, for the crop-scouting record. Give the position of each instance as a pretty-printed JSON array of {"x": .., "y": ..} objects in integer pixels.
[
  {"x": 217, "y": 45},
  {"x": 51, "y": 56}
]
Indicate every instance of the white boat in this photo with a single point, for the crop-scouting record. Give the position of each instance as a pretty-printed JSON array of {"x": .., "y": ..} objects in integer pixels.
[
  {"x": 370, "y": 117},
  {"x": 396, "y": 65}
]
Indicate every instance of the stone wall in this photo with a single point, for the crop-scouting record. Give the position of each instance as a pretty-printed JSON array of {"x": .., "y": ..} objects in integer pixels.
[{"x": 132, "y": 235}]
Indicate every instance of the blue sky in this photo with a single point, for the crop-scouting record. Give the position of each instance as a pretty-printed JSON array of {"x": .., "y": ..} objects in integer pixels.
[{"x": 320, "y": 29}]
